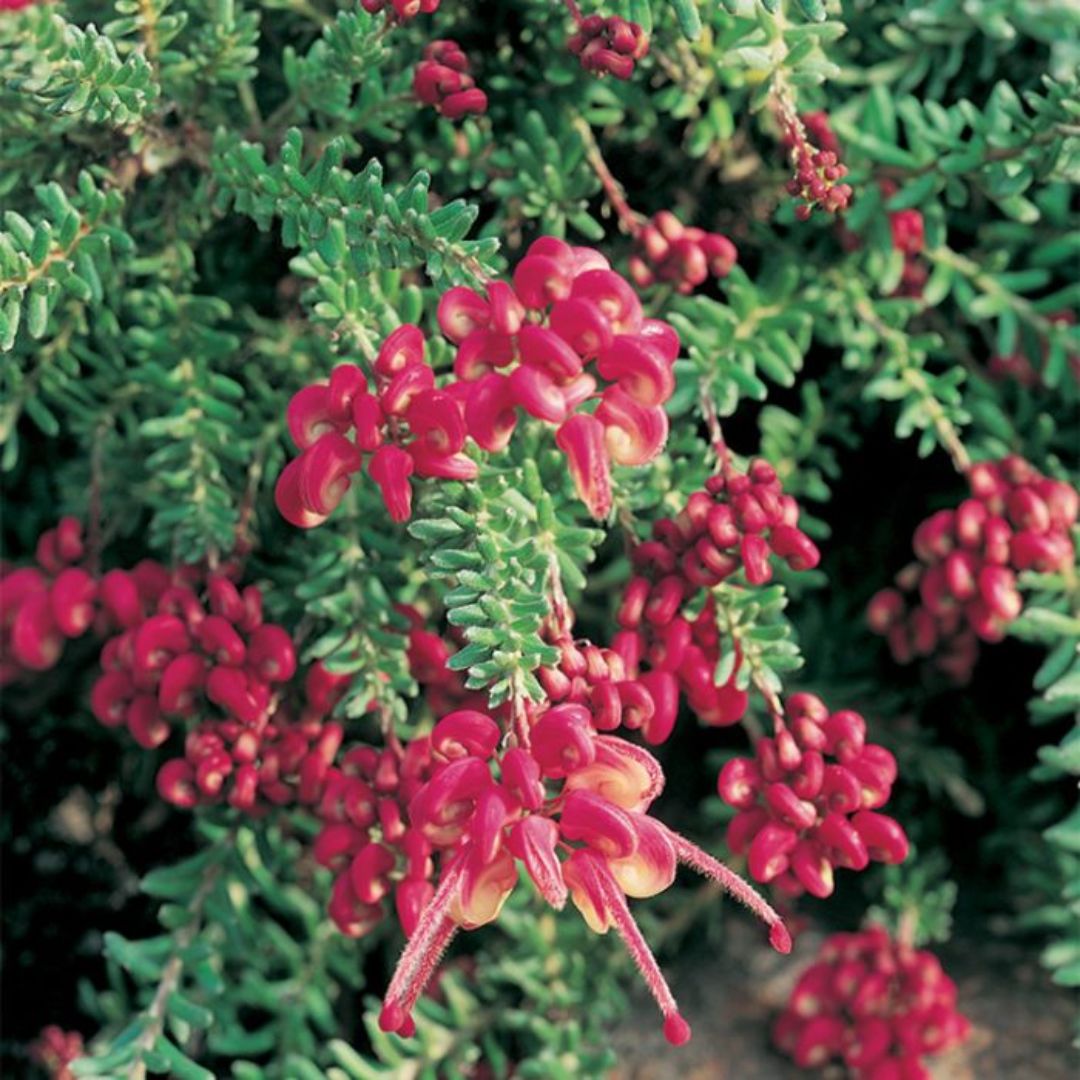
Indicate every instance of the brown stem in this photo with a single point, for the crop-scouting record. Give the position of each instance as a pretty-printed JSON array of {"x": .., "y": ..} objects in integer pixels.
[
  {"x": 712, "y": 422},
  {"x": 629, "y": 219}
]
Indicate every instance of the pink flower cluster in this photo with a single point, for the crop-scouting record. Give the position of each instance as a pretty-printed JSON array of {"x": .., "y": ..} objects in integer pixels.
[
  {"x": 737, "y": 523},
  {"x": 876, "y": 1003},
  {"x": 55, "y": 1049},
  {"x": 800, "y": 814},
  {"x": 819, "y": 175},
  {"x": 400, "y": 10},
  {"x": 681, "y": 255},
  {"x": 405, "y": 427},
  {"x": 570, "y": 807},
  {"x": 530, "y": 346},
  {"x": 196, "y": 654},
  {"x": 610, "y": 45},
  {"x": 606, "y": 681},
  {"x": 523, "y": 346},
  {"x": 443, "y": 80},
  {"x": 366, "y": 839},
  {"x": 42, "y": 607},
  {"x": 963, "y": 588}
]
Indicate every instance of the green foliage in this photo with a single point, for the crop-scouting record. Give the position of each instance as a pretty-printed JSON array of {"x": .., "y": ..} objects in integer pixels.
[
  {"x": 500, "y": 544},
  {"x": 348, "y": 218},
  {"x": 60, "y": 256},
  {"x": 547, "y": 178},
  {"x": 762, "y": 333},
  {"x": 77, "y": 72},
  {"x": 756, "y": 636},
  {"x": 209, "y": 203}
]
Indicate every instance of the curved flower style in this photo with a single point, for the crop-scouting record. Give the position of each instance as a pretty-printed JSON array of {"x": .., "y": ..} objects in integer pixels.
[{"x": 569, "y": 806}]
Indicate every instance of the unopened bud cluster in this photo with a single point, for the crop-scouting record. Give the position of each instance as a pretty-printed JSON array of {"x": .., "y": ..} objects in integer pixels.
[
  {"x": 545, "y": 344},
  {"x": 875, "y": 1003},
  {"x": 195, "y": 655},
  {"x": 737, "y": 523},
  {"x": 807, "y": 801},
  {"x": 608, "y": 46},
  {"x": 43, "y": 606},
  {"x": 683, "y": 256},
  {"x": 608, "y": 683},
  {"x": 55, "y": 1049},
  {"x": 963, "y": 588},
  {"x": 366, "y": 839},
  {"x": 819, "y": 175},
  {"x": 400, "y": 10},
  {"x": 443, "y": 79}
]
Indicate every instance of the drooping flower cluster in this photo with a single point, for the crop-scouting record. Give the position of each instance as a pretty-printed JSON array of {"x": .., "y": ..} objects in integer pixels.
[
  {"x": 874, "y": 1002},
  {"x": 366, "y": 839},
  {"x": 737, "y": 523},
  {"x": 42, "y": 607},
  {"x": 195, "y": 655},
  {"x": 405, "y": 427},
  {"x": 522, "y": 346},
  {"x": 807, "y": 801},
  {"x": 819, "y": 175},
  {"x": 608, "y": 683},
  {"x": 568, "y": 805},
  {"x": 529, "y": 345},
  {"x": 963, "y": 588},
  {"x": 682, "y": 255},
  {"x": 55, "y": 1049},
  {"x": 608, "y": 45},
  {"x": 400, "y": 10},
  {"x": 443, "y": 80}
]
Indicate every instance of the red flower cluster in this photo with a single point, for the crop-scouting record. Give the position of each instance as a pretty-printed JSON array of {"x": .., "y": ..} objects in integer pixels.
[
  {"x": 570, "y": 807},
  {"x": 566, "y": 309},
  {"x": 55, "y": 1049},
  {"x": 909, "y": 238},
  {"x": 878, "y": 1004},
  {"x": 606, "y": 681},
  {"x": 365, "y": 838},
  {"x": 685, "y": 256},
  {"x": 818, "y": 172},
  {"x": 443, "y": 80},
  {"x": 400, "y": 10},
  {"x": 523, "y": 346},
  {"x": 963, "y": 587},
  {"x": 407, "y": 427},
  {"x": 610, "y": 45},
  {"x": 278, "y": 758},
  {"x": 202, "y": 656},
  {"x": 42, "y": 607},
  {"x": 800, "y": 815},
  {"x": 738, "y": 522},
  {"x": 15, "y": 5}
]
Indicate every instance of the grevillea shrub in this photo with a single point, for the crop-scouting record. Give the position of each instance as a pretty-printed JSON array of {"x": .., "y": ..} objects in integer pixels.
[{"x": 485, "y": 486}]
